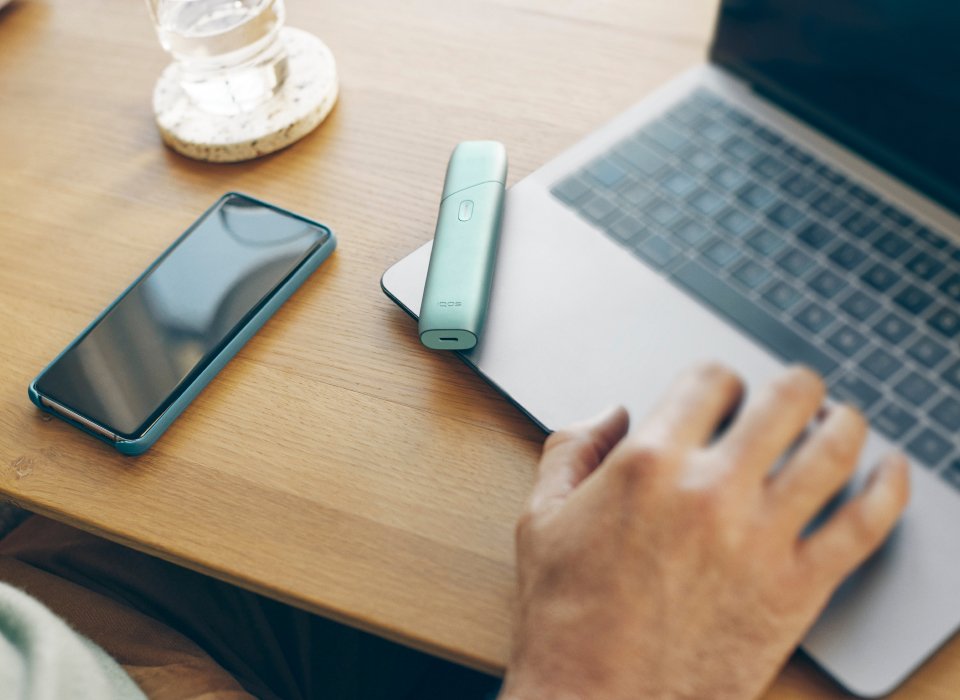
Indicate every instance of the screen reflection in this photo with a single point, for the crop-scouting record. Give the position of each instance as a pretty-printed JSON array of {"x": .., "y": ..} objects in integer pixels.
[{"x": 881, "y": 75}]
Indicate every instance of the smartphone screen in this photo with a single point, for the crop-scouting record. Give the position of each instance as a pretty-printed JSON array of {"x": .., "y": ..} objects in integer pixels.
[{"x": 144, "y": 352}]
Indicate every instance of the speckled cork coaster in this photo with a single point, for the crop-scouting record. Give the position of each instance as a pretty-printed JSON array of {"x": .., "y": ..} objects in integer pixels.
[{"x": 306, "y": 97}]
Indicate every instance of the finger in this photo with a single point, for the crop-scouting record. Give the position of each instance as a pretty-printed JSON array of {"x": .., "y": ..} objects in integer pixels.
[
  {"x": 771, "y": 422},
  {"x": 821, "y": 466},
  {"x": 861, "y": 524},
  {"x": 693, "y": 408},
  {"x": 570, "y": 455}
]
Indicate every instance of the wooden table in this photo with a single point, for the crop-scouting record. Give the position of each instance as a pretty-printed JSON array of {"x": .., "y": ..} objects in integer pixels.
[{"x": 334, "y": 464}]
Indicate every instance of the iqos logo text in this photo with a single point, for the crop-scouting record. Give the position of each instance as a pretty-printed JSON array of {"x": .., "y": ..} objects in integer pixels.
[{"x": 449, "y": 304}]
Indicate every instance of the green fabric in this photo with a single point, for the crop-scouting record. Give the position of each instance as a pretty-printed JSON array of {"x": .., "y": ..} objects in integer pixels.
[{"x": 41, "y": 658}]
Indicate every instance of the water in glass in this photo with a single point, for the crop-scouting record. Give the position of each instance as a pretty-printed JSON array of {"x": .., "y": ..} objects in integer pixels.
[{"x": 229, "y": 52}]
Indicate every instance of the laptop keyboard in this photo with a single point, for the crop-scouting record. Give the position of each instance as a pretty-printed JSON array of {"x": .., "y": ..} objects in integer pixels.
[{"x": 812, "y": 264}]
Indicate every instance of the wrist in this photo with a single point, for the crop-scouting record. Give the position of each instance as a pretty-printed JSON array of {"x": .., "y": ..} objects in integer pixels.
[
  {"x": 539, "y": 693},
  {"x": 520, "y": 686}
]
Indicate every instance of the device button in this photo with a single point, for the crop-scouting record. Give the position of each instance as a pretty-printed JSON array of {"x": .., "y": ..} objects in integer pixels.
[{"x": 466, "y": 210}]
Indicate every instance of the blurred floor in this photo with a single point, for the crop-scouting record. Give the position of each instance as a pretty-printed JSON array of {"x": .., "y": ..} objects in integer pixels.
[{"x": 179, "y": 633}]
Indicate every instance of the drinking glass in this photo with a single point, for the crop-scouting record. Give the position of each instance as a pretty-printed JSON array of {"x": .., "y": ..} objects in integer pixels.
[{"x": 229, "y": 53}]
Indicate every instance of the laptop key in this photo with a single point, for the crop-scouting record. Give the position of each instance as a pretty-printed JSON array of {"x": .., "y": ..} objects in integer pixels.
[
  {"x": 738, "y": 117},
  {"x": 915, "y": 389},
  {"x": 735, "y": 222},
  {"x": 893, "y": 328},
  {"x": 751, "y": 274},
  {"x": 645, "y": 161},
  {"x": 687, "y": 112},
  {"x": 704, "y": 99},
  {"x": 782, "y": 295},
  {"x": 753, "y": 320},
  {"x": 658, "y": 251},
  {"x": 627, "y": 229},
  {"x": 859, "y": 305},
  {"x": 795, "y": 261},
  {"x": 727, "y": 178},
  {"x": 768, "y": 167},
  {"x": 892, "y": 245},
  {"x": 893, "y": 421},
  {"x": 859, "y": 224},
  {"x": 826, "y": 284},
  {"x": 864, "y": 196},
  {"x": 785, "y": 215},
  {"x": 720, "y": 253},
  {"x": 929, "y": 447},
  {"x": 925, "y": 266},
  {"x": 829, "y": 205},
  {"x": 798, "y": 155},
  {"x": 927, "y": 352},
  {"x": 847, "y": 341},
  {"x": 880, "y": 277},
  {"x": 698, "y": 158},
  {"x": 798, "y": 185},
  {"x": 952, "y": 375},
  {"x": 932, "y": 239},
  {"x": 896, "y": 216},
  {"x": 853, "y": 389},
  {"x": 664, "y": 135},
  {"x": 913, "y": 299},
  {"x": 663, "y": 212},
  {"x": 571, "y": 190},
  {"x": 847, "y": 256},
  {"x": 756, "y": 196},
  {"x": 947, "y": 414},
  {"x": 600, "y": 210},
  {"x": 697, "y": 124},
  {"x": 830, "y": 175},
  {"x": 706, "y": 202},
  {"x": 691, "y": 232},
  {"x": 814, "y": 318},
  {"x": 638, "y": 194},
  {"x": 741, "y": 149},
  {"x": 952, "y": 473},
  {"x": 816, "y": 236},
  {"x": 951, "y": 287},
  {"x": 881, "y": 364},
  {"x": 945, "y": 321},
  {"x": 766, "y": 242},
  {"x": 767, "y": 136},
  {"x": 679, "y": 183},
  {"x": 715, "y": 132},
  {"x": 606, "y": 172},
  {"x": 813, "y": 195}
]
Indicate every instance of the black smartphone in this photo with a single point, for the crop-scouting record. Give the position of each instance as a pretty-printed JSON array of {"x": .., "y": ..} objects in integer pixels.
[{"x": 132, "y": 371}]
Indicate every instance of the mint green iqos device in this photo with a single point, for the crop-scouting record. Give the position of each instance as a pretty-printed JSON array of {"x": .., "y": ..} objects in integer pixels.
[{"x": 464, "y": 250}]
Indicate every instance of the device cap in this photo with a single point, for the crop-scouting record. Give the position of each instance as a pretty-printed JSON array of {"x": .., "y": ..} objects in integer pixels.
[{"x": 473, "y": 163}]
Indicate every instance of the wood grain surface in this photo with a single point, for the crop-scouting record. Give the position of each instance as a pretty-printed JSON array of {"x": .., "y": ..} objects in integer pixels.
[{"x": 334, "y": 464}]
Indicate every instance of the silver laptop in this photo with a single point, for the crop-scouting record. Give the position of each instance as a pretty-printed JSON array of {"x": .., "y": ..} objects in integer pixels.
[{"x": 795, "y": 200}]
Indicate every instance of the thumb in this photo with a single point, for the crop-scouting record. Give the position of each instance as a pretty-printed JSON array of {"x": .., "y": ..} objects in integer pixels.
[{"x": 570, "y": 455}]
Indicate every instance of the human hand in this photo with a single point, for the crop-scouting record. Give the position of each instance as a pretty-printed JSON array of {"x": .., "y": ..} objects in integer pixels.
[{"x": 665, "y": 565}]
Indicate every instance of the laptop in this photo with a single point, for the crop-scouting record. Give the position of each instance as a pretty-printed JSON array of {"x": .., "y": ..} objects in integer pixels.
[{"x": 794, "y": 200}]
